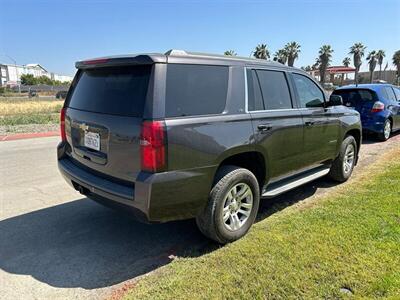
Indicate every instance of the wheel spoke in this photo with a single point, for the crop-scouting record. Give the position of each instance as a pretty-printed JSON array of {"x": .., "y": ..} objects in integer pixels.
[
  {"x": 226, "y": 209},
  {"x": 244, "y": 212},
  {"x": 230, "y": 196},
  {"x": 235, "y": 222},
  {"x": 226, "y": 216},
  {"x": 246, "y": 205},
  {"x": 245, "y": 194}
]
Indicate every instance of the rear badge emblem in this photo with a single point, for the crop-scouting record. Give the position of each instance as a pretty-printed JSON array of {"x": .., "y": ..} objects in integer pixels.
[{"x": 83, "y": 126}]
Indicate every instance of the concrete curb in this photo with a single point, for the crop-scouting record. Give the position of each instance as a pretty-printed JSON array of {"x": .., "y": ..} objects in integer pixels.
[{"x": 20, "y": 136}]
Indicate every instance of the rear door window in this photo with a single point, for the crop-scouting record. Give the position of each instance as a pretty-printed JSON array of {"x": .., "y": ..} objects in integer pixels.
[
  {"x": 112, "y": 90},
  {"x": 274, "y": 89},
  {"x": 195, "y": 90}
]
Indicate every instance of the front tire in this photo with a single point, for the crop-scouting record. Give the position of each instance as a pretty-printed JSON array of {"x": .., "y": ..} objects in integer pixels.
[
  {"x": 387, "y": 130},
  {"x": 232, "y": 206},
  {"x": 343, "y": 165}
]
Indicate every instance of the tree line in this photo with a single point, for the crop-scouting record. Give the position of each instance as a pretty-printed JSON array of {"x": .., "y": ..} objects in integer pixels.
[
  {"x": 290, "y": 52},
  {"x": 29, "y": 79}
]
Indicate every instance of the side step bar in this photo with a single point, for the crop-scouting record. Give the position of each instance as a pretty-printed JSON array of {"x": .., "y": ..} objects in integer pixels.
[{"x": 285, "y": 185}]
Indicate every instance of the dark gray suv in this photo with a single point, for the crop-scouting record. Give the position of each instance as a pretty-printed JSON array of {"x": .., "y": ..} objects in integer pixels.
[{"x": 183, "y": 135}]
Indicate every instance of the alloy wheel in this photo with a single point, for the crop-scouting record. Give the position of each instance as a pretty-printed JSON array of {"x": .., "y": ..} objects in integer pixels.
[
  {"x": 238, "y": 204},
  {"x": 348, "y": 161},
  {"x": 387, "y": 130}
]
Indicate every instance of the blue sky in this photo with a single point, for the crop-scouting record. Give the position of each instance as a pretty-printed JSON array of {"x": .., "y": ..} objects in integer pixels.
[{"x": 58, "y": 33}]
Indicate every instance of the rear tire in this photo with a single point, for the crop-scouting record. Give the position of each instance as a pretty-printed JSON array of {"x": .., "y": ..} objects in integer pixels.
[
  {"x": 386, "y": 131},
  {"x": 232, "y": 205},
  {"x": 343, "y": 165}
]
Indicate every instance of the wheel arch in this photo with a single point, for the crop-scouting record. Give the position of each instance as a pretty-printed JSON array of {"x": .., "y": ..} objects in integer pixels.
[
  {"x": 252, "y": 160},
  {"x": 356, "y": 133}
]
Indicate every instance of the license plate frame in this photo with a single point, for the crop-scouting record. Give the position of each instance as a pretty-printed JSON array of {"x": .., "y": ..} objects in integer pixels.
[{"x": 91, "y": 140}]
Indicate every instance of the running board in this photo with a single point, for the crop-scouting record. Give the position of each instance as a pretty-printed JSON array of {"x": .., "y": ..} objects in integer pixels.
[{"x": 280, "y": 187}]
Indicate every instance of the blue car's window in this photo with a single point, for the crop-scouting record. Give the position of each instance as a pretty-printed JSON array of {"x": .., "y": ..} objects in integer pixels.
[
  {"x": 390, "y": 93},
  {"x": 352, "y": 97},
  {"x": 397, "y": 93}
]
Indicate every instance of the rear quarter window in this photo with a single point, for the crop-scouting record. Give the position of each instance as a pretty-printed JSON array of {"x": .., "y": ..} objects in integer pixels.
[
  {"x": 195, "y": 90},
  {"x": 111, "y": 90}
]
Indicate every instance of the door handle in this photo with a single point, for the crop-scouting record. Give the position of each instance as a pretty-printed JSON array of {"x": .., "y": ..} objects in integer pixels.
[
  {"x": 309, "y": 123},
  {"x": 264, "y": 127}
]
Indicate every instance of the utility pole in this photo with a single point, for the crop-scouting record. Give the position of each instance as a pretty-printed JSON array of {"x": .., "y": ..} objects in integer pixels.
[{"x": 16, "y": 72}]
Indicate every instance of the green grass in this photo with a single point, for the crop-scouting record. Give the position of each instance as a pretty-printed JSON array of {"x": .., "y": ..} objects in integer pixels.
[
  {"x": 348, "y": 239},
  {"x": 23, "y": 111},
  {"x": 22, "y": 119}
]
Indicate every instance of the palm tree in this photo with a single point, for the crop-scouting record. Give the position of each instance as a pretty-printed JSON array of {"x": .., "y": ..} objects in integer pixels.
[
  {"x": 280, "y": 56},
  {"x": 292, "y": 50},
  {"x": 358, "y": 52},
  {"x": 396, "y": 62},
  {"x": 315, "y": 66},
  {"x": 230, "y": 53},
  {"x": 325, "y": 57},
  {"x": 371, "y": 58},
  {"x": 346, "y": 62},
  {"x": 261, "y": 52},
  {"x": 380, "y": 55}
]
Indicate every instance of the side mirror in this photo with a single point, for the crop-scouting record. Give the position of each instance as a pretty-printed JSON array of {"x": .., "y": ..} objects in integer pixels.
[{"x": 335, "y": 100}]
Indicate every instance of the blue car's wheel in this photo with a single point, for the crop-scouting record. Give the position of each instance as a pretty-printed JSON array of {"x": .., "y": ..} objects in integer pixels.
[{"x": 386, "y": 131}]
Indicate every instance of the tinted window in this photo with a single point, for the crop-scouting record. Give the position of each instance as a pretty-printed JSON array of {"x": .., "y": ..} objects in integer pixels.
[
  {"x": 397, "y": 92},
  {"x": 195, "y": 90},
  {"x": 274, "y": 89},
  {"x": 254, "y": 92},
  {"x": 118, "y": 91},
  {"x": 390, "y": 93},
  {"x": 352, "y": 97},
  {"x": 309, "y": 93}
]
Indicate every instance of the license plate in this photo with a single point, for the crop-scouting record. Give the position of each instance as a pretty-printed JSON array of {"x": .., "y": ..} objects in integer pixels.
[{"x": 92, "y": 140}]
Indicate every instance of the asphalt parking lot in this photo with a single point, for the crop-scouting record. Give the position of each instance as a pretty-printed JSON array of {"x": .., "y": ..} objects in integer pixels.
[{"x": 57, "y": 244}]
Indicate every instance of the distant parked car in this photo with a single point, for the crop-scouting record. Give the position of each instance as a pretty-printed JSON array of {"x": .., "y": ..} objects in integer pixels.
[
  {"x": 378, "y": 105},
  {"x": 61, "y": 95},
  {"x": 32, "y": 93},
  {"x": 329, "y": 86}
]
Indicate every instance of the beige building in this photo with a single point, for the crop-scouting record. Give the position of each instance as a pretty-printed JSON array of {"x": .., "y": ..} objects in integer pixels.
[{"x": 11, "y": 74}]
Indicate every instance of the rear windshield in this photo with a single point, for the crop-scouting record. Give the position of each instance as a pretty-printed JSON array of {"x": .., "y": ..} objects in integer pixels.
[
  {"x": 112, "y": 90},
  {"x": 355, "y": 96},
  {"x": 195, "y": 90}
]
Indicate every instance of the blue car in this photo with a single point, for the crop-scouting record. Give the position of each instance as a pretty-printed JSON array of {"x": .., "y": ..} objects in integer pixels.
[{"x": 378, "y": 105}]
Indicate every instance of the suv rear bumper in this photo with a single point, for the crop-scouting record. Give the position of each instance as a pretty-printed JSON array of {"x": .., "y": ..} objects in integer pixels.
[{"x": 158, "y": 197}]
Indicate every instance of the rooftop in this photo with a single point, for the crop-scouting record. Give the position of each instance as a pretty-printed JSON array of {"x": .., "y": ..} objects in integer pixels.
[{"x": 177, "y": 56}]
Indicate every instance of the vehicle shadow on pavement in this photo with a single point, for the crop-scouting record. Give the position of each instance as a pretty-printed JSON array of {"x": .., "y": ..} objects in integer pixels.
[{"x": 82, "y": 244}]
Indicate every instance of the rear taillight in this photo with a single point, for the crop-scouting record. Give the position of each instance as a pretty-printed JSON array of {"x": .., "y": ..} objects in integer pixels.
[
  {"x": 62, "y": 125},
  {"x": 152, "y": 146},
  {"x": 378, "y": 106}
]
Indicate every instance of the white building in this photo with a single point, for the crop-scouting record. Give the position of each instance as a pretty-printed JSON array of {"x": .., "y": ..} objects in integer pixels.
[{"x": 10, "y": 75}]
